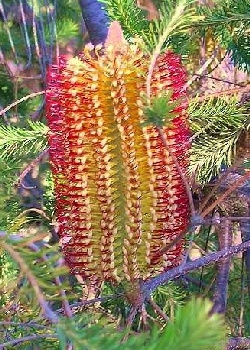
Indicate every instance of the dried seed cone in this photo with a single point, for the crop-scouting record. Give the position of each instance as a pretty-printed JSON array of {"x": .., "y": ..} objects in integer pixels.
[{"x": 119, "y": 196}]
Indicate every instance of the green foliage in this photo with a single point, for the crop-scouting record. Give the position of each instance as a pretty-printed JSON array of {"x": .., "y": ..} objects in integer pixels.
[
  {"x": 217, "y": 124},
  {"x": 228, "y": 20},
  {"x": 8, "y": 273},
  {"x": 44, "y": 270},
  {"x": 49, "y": 197},
  {"x": 193, "y": 320},
  {"x": 95, "y": 336},
  {"x": 9, "y": 206},
  {"x": 238, "y": 313},
  {"x": 174, "y": 18},
  {"x": 160, "y": 110},
  {"x": 191, "y": 329},
  {"x": 230, "y": 24},
  {"x": 128, "y": 15},
  {"x": 226, "y": 12},
  {"x": 169, "y": 297},
  {"x": 15, "y": 142},
  {"x": 66, "y": 30},
  {"x": 239, "y": 47}
]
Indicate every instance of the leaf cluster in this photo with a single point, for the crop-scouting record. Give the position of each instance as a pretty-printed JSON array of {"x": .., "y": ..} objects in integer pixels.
[
  {"x": 16, "y": 143},
  {"x": 191, "y": 329},
  {"x": 34, "y": 271},
  {"x": 230, "y": 24},
  {"x": 174, "y": 18},
  {"x": 217, "y": 124},
  {"x": 160, "y": 111},
  {"x": 180, "y": 24}
]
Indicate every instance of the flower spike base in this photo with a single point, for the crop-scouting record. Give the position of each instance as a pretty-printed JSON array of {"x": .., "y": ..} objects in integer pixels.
[{"x": 119, "y": 197}]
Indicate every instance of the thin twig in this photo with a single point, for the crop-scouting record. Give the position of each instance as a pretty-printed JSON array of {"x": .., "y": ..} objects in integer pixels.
[
  {"x": 27, "y": 338},
  {"x": 219, "y": 182},
  {"x": 36, "y": 210},
  {"x": 144, "y": 318},
  {"x": 26, "y": 36},
  {"x": 34, "y": 94},
  {"x": 219, "y": 79},
  {"x": 67, "y": 309},
  {"x": 7, "y": 28},
  {"x": 242, "y": 301},
  {"x": 225, "y": 194},
  {"x": 48, "y": 312},
  {"x": 157, "y": 50},
  {"x": 237, "y": 218},
  {"x": 35, "y": 77},
  {"x": 20, "y": 324},
  {"x": 223, "y": 93},
  {"x": 132, "y": 314},
  {"x": 201, "y": 131},
  {"x": 149, "y": 286},
  {"x": 30, "y": 166},
  {"x": 92, "y": 301},
  {"x": 157, "y": 309},
  {"x": 202, "y": 69}
]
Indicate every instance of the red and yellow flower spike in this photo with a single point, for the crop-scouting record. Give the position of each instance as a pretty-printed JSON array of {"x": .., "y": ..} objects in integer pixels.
[{"x": 119, "y": 197}]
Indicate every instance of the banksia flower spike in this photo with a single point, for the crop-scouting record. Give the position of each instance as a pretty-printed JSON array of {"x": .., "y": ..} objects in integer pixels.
[{"x": 119, "y": 197}]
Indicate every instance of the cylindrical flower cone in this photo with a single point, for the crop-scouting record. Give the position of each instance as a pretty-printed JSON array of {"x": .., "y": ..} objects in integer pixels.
[{"x": 119, "y": 197}]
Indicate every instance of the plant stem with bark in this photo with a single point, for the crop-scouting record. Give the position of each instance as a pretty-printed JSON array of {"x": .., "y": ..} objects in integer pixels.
[{"x": 95, "y": 19}]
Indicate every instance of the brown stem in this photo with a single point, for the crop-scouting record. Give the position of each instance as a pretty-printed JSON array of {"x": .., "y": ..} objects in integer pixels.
[
  {"x": 35, "y": 210},
  {"x": 219, "y": 182},
  {"x": 225, "y": 194},
  {"x": 158, "y": 310},
  {"x": 132, "y": 314},
  {"x": 219, "y": 79},
  {"x": 65, "y": 303},
  {"x": 26, "y": 339},
  {"x": 220, "y": 293},
  {"x": 240, "y": 90},
  {"x": 35, "y": 161},
  {"x": 143, "y": 319},
  {"x": 20, "y": 324},
  {"x": 149, "y": 286},
  {"x": 92, "y": 301},
  {"x": 237, "y": 218},
  {"x": 202, "y": 69},
  {"x": 34, "y": 94}
]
